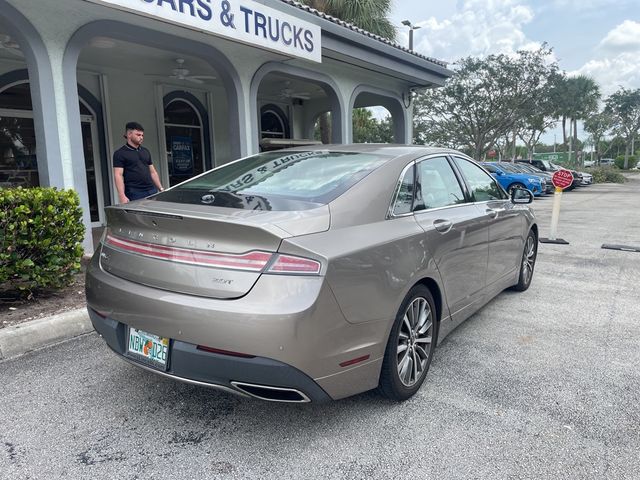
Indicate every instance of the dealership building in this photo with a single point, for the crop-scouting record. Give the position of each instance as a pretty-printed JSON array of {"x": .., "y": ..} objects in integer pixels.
[{"x": 210, "y": 80}]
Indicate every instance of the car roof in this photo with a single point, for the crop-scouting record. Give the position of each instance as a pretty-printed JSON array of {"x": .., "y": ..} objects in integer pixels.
[{"x": 392, "y": 149}]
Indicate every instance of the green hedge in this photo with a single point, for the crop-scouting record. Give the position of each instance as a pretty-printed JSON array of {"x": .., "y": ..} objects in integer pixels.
[
  {"x": 41, "y": 235},
  {"x": 607, "y": 174},
  {"x": 620, "y": 161}
]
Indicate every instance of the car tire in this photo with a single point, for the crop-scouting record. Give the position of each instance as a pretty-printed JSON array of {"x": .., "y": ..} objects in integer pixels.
[
  {"x": 513, "y": 186},
  {"x": 410, "y": 346},
  {"x": 528, "y": 262}
]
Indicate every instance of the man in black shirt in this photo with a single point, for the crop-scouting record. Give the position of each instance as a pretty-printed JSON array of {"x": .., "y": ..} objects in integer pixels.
[{"x": 134, "y": 173}]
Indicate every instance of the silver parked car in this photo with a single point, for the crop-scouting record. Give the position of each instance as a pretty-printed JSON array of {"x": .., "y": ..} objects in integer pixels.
[{"x": 309, "y": 274}]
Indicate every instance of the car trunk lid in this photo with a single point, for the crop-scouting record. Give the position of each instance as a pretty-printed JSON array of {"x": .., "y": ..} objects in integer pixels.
[{"x": 217, "y": 253}]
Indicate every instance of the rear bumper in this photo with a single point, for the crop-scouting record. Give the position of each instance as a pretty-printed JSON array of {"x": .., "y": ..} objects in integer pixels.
[
  {"x": 258, "y": 377},
  {"x": 291, "y": 326}
]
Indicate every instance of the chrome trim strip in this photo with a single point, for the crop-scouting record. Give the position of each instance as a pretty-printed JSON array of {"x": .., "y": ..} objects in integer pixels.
[
  {"x": 215, "y": 386},
  {"x": 239, "y": 385}
]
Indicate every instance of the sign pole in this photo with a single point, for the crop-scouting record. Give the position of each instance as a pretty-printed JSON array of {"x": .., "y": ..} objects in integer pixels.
[
  {"x": 561, "y": 180},
  {"x": 555, "y": 213}
]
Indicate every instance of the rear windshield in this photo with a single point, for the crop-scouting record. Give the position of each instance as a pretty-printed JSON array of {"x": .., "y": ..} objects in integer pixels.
[{"x": 277, "y": 180}]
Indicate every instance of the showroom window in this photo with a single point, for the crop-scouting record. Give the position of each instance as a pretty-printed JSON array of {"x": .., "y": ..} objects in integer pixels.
[
  {"x": 273, "y": 122},
  {"x": 18, "y": 163},
  {"x": 184, "y": 136}
]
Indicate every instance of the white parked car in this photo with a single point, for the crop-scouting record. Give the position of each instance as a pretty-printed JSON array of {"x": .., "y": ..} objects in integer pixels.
[{"x": 587, "y": 178}]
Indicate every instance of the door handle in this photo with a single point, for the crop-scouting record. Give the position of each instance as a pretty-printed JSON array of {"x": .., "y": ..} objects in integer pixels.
[
  {"x": 443, "y": 226},
  {"x": 492, "y": 213}
]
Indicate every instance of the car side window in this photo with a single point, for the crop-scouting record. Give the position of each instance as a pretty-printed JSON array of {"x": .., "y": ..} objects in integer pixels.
[
  {"x": 404, "y": 198},
  {"x": 483, "y": 186},
  {"x": 437, "y": 185}
]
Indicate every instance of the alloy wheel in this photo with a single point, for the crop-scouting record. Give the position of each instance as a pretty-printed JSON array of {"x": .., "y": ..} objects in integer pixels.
[
  {"x": 528, "y": 259},
  {"x": 414, "y": 341}
]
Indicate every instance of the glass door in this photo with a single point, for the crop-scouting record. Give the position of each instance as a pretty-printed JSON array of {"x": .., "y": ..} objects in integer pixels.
[{"x": 92, "y": 168}]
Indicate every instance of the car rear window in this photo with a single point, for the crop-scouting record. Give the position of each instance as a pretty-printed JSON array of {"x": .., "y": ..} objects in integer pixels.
[{"x": 277, "y": 180}]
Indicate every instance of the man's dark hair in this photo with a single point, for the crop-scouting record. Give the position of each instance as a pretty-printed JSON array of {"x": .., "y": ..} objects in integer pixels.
[{"x": 134, "y": 126}]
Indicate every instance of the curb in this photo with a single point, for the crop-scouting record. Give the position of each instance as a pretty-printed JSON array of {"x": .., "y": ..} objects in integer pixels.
[{"x": 25, "y": 337}]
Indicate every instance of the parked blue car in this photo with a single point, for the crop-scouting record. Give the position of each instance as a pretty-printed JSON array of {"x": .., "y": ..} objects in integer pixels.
[{"x": 511, "y": 181}]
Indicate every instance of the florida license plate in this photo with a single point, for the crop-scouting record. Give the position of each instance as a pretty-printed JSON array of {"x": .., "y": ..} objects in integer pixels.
[{"x": 148, "y": 348}]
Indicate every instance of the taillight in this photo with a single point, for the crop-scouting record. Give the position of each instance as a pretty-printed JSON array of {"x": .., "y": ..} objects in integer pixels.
[
  {"x": 254, "y": 261},
  {"x": 288, "y": 264}
]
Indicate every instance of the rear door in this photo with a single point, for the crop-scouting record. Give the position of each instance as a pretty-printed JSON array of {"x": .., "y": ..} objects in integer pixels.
[
  {"x": 506, "y": 224},
  {"x": 456, "y": 234}
]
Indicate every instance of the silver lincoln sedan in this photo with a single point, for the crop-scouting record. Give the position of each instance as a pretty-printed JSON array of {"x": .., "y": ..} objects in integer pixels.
[{"x": 309, "y": 274}]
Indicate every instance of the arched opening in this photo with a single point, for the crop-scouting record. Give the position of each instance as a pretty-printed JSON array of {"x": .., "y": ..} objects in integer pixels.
[
  {"x": 288, "y": 102},
  {"x": 378, "y": 116},
  {"x": 274, "y": 122},
  {"x": 18, "y": 142},
  {"x": 372, "y": 125}
]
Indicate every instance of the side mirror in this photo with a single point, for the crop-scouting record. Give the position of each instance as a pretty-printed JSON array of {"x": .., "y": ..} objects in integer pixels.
[{"x": 521, "y": 195}]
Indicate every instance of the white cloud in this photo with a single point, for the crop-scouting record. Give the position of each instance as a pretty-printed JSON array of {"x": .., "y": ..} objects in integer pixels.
[
  {"x": 613, "y": 73},
  {"x": 477, "y": 28},
  {"x": 581, "y": 5},
  {"x": 624, "y": 38},
  {"x": 616, "y": 60}
]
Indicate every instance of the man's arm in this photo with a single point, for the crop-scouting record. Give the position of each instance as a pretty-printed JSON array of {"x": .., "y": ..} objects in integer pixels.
[
  {"x": 118, "y": 176},
  {"x": 156, "y": 178}
]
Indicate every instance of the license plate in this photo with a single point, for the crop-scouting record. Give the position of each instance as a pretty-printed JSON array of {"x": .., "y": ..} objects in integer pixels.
[{"x": 149, "y": 348}]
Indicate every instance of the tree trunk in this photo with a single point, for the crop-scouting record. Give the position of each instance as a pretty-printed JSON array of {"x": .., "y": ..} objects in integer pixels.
[
  {"x": 564, "y": 132},
  {"x": 478, "y": 151},
  {"x": 575, "y": 137},
  {"x": 626, "y": 156},
  {"x": 325, "y": 128}
]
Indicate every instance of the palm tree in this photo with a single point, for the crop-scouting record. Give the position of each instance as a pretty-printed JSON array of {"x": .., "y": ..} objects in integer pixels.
[
  {"x": 586, "y": 94},
  {"x": 370, "y": 15},
  {"x": 576, "y": 98}
]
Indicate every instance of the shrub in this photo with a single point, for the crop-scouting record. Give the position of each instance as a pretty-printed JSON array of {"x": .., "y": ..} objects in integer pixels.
[
  {"x": 633, "y": 161},
  {"x": 41, "y": 235},
  {"x": 607, "y": 174}
]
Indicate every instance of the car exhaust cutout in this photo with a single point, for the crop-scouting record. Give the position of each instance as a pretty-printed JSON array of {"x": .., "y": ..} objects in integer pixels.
[{"x": 272, "y": 394}]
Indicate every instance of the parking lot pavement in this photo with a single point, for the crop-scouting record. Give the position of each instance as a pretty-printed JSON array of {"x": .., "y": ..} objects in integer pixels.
[{"x": 543, "y": 384}]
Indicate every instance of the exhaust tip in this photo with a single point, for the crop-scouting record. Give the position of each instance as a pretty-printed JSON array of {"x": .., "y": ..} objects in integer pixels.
[{"x": 272, "y": 394}]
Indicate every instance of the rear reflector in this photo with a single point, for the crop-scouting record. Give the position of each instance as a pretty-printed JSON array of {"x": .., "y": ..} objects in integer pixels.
[
  {"x": 100, "y": 314},
  {"x": 353, "y": 361},
  {"x": 224, "y": 352},
  {"x": 254, "y": 261}
]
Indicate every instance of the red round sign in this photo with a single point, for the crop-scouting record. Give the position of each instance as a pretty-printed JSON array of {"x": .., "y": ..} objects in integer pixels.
[{"x": 562, "y": 179}]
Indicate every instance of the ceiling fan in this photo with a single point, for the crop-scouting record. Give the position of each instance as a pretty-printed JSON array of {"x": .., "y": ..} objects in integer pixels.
[
  {"x": 9, "y": 45},
  {"x": 181, "y": 73},
  {"x": 288, "y": 92}
]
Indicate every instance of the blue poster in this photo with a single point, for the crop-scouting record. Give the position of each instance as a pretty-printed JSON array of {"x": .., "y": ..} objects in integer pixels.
[{"x": 182, "y": 156}]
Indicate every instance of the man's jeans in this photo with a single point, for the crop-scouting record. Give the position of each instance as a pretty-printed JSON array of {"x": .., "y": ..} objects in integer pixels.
[{"x": 136, "y": 194}]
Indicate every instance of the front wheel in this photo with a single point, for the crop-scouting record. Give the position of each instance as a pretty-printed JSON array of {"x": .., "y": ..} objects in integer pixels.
[
  {"x": 528, "y": 262},
  {"x": 410, "y": 346}
]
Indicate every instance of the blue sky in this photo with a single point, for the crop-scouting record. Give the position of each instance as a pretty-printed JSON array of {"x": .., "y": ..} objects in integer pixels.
[{"x": 599, "y": 38}]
